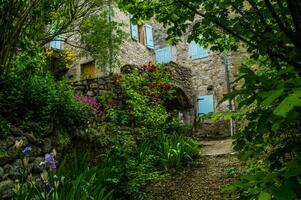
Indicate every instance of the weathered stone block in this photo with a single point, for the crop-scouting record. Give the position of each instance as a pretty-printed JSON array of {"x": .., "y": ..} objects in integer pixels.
[
  {"x": 90, "y": 93},
  {"x": 78, "y": 83},
  {"x": 1, "y": 173},
  {"x": 93, "y": 86},
  {"x": 80, "y": 88},
  {"x": 36, "y": 167},
  {"x": 15, "y": 170},
  {"x": 6, "y": 188},
  {"x": 213, "y": 130}
]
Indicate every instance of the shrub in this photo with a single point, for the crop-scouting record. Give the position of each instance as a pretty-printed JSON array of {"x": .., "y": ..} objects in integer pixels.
[
  {"x": 33, "y": 100},
  {"x": 41, "y": 104}
]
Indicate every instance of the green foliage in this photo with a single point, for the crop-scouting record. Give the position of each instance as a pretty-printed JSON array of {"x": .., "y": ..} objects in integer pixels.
[
  {"x": 141, "y": 108},
  {"x": 101, "y": 38},
  {"x": 270, "y": 132},
  {"x": 75, "y": 181},
  {"x": 34, "y": 101},
  {"x": 175, "y": 150}
]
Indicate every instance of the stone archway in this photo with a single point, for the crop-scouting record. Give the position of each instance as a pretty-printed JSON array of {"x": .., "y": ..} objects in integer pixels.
[
  {"x": 181, "y": 100},
  {"x": 184, "y": 100}
]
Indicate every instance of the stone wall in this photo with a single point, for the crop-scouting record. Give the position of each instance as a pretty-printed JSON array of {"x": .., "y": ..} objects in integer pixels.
[
  {"x": 11, "y": 163},
  {"x": 212, "y": 130},
  {"x": 94, "y": 87}
]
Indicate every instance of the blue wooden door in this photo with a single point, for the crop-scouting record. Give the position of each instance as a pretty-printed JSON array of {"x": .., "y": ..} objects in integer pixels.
[{"x": 205, "y": 104}]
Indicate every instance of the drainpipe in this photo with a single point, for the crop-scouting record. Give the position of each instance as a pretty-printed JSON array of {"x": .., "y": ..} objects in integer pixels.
[{"x": 228, "y": 90}]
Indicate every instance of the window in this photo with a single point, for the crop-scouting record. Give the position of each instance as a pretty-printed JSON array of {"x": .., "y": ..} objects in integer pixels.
[
  {"x": 134, "y": 32},
  {"x": 163, "y": 55},
  {"x": 197, "y": 51},
  {"x": 56, "y": 43},
  {"x": 88, "y": 70},
  {"x": 205, "y": 104},
  {"x": 143, "y": 34}
]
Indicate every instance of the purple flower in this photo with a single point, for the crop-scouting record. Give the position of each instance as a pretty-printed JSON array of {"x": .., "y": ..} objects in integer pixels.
[
  {"x": 26, "y": 150},
  {"x": 49, "y": 159},
  {"x": 91, "y": 101}
]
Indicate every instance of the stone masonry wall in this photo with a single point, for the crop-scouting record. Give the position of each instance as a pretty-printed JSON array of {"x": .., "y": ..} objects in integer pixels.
[
  {"x": 11, "y": 159},
  {"x": 94, "y": 87}
]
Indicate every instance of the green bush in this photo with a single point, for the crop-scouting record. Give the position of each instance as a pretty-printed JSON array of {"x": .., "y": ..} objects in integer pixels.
[
  {"x": 40, "y": 104},
  {"x": 31, "y": 98}
]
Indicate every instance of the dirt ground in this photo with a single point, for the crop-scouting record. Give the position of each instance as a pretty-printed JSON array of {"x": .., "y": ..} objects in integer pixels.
[{"x": 203, "y": 179}]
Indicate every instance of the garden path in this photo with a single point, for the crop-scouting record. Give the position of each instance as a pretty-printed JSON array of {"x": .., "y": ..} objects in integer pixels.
[{"x": 204, "y": 178}]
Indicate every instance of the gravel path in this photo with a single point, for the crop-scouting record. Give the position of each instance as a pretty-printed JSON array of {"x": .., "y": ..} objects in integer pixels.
[{"x": 203, "y": 179}]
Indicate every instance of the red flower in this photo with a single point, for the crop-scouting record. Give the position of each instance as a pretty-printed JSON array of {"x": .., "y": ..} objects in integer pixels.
[
  {"x": 111, "y": 104},
  {"x": 147, "y": 91},
  {"x": 150, "y": 85},
  {"x": 153, "y": 94},
  {"x": 162, "y": 86},
  {"x": 152, "y": 68}
]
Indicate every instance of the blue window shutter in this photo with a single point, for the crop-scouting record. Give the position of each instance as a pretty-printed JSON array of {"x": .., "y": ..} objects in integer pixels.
[
  {"x": 197, "y": 51},
  {"x": 163, "y": 55},
  {"x": 149, "y": 36},
  {"x": 55, "y": 43},
  {"x": 134, "y": 32},
  {"x": 205, "y": 104}
]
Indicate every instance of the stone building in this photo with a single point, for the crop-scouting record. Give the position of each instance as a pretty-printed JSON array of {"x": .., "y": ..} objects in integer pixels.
[{"x": 206, "y": 78}]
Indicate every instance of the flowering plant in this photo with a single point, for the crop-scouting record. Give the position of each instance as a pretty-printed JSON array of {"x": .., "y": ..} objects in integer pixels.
[{"x": 91, "y": 101}]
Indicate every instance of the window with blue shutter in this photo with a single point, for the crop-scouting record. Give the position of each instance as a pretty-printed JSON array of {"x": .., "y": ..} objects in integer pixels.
[
  {"x": 163, "y": 55},
  {"x": 56, "y": 43},
  {"x": 134, "y": 32},
  {"x": 197, "y": 51},
  {"x": 205, "y": 104},
  {"x": 149, "y": 36}
]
